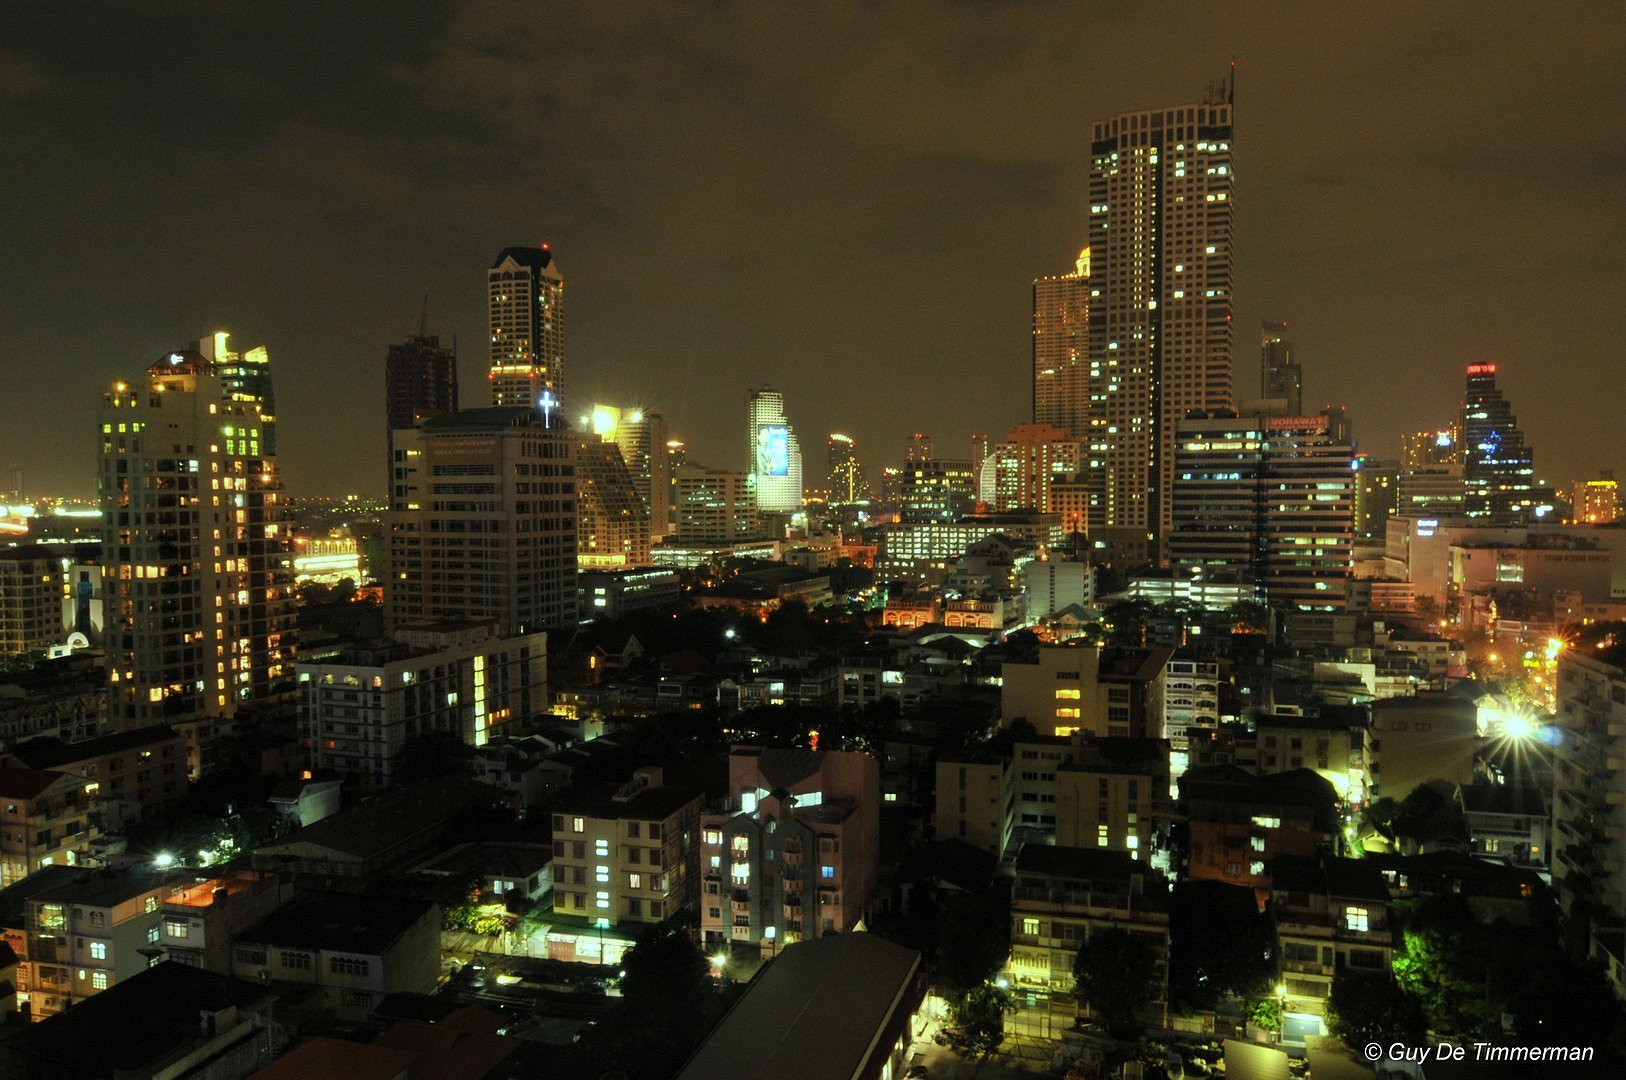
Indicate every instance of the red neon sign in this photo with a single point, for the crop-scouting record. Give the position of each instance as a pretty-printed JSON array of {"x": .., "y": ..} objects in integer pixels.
[{"x": 1482, "y": 369}]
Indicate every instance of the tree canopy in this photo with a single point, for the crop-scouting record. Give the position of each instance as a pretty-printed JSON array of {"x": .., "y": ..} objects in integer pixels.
[{"x": 1117, "y": 976}]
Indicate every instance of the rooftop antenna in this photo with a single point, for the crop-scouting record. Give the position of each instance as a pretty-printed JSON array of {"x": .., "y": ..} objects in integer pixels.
[{"x": 1231, "y": 97}]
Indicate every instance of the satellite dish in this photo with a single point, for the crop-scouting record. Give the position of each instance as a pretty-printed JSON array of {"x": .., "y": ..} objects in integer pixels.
[{"x": 76, "y": 640}]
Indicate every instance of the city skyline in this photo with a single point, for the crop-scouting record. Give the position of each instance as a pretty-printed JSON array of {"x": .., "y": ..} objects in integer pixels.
[{"x": 1323, "y": 122}]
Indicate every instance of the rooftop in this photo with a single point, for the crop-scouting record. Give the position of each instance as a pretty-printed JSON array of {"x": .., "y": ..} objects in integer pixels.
[
  {"x": 26, "y": 783},
  {"x": 383, "y": 821},
  {"x": 1083, "y": 864},
  {"x": 53, "y": 753},
  {"x": 339, "y": 922},
  {"x": 102, "y": 888},
  {"x": 811, "y": 1014},
  {"x": 651, "y": 804},
  {"x": 495, "y": 858},
  {"x": 130, "y": 1026}
]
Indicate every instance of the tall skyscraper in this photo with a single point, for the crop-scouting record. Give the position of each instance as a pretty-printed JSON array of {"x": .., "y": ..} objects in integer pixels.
[
  {"x": 714, "y": 506},
  {"x": 1268, "y": 500},
  {"x": 1280, "y": 376},
  {"x": 1498, "y": 468},
  {"x": 641, "y": 435},
  {"x": 1160, "y": 340},
  {"x": 1377, "y": 497},
  {"x": 199, "y": 580},
  {"x": 420, "y": 381},
  {"x": 612, "y": 529},
  {"x": 937, "y": 489},
  {"x": 244, "y": 377},
  {"x": 775, "y": 455},
  {"x": 1061, "y": 349},
  {"x": 846, "y": 479},
  {"x": 483, "y": 520},
  {"x": 1423, "y": 448},
  {"x": 526, "y": 299},
  {"x": 1024, "y": 465}
]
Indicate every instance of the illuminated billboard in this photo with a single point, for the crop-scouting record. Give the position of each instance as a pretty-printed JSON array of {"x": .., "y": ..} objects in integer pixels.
[{"x": 773, "y": 450}]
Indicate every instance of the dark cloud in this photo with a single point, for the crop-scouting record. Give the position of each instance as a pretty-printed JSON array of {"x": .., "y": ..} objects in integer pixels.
[{"x": 846, "y": 199}]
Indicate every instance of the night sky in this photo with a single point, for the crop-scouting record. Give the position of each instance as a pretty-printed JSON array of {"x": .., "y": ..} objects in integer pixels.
[{"x": 847, "y": 202}]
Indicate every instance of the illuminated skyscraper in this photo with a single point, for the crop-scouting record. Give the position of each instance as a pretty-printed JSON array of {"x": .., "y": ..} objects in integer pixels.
[
  {"x": 1280, "y": 376},
  {"x": 937, "y": 489},
  {"x": 244, "y": 377},
  {"x": 199, "y": 580},
  {"x": 1498, "y": 469},
  {"x": 1061, "y": 349},
  {"x": 1423, "y": 448},
  {"x": 642, "y": 438},
  {"x": 1024, "y": 465},
  {"x": 612, "y": 529},
  {"x": 1160, "y": 302},
  {"x": 918, "y": 447},
  {"x": 775, "y": 455},
  {"x": 846, "y": 480},
  {"x": 526, "y": 299}
]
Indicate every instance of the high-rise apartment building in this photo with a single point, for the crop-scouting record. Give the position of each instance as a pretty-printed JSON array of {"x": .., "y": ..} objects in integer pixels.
[
  {"x": 525, "y": 296},
  {"x": 244, "y": 377},
  {"x": 1498, "y": 468},
  {"x": 918, "y": 447},
  {"x": 1268, "y": 500},
  {"x": 1160, "y": 337},
  {"x": 1420, "y": 449},
  {"x": 612, "y": 528},
  {"x": 420, "y": 381},
  {"x": 1025, "y": 464},
  {"x": 1597, "y": 502},
  {"x": 1280, "y": 376},
  {"x": 198, "y": 566},
  {"x": 641, "y": 435},
  {"x": 1377, "y": 497},
  {"x": 1589, "y": 813},
  {"x": 1061, "y": 349},
  {"x": 483, "y": 520},
  {"x": 775, "y": 454}
]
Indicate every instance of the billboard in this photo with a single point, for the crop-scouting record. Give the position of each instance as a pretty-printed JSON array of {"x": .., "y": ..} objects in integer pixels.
[{"x": 773, "y": 450}]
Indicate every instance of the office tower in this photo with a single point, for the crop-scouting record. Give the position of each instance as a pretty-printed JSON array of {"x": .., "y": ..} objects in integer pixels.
[
  {"x": 420, "y": 381},
  {"x": 937, "y": 489},
  {"x": 482, "y": 521},
  {"x": 1280, "y": 376},
  {"x": 846, "y": 480},
  {"x": 612, "y": 528},
  {"x": 918, "y": 447},
  {"x": 1597, "y": 502},
  {"x": 526, "y": 298},
  {"x": 775, "y": 454},
  {"x": 32, "y": 586},
  {"x": 1429, "y": 491},
  {"x": 1268, "y": 500},
  {"x": 244, "y": 377},
  {"x": 200, "y": 606},
  {"x": 1161, "y": 261},
  {"x": 677, "y": 455},
  {"x": 891, "y": 485},
  {"x": 1420, "y": 449},
  {"x": 1024, "y": 465},
  {"x": 714, "y": 506},
  {"x": 1377, "y": 496},
  {"x": 1498, "y": 469},
  {"x": 1061, "y": 354}
]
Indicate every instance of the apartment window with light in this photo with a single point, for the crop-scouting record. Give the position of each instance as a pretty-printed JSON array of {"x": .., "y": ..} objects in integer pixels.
[
  {"x": 1357, "y": 918},
  {"x": 1030, "y": 927},
  {"x": 98, "y": 980},
  {"x": 98, "y": 950}
]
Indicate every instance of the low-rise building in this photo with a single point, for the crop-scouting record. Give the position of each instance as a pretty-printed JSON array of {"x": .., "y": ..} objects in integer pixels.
[
  {"x": 92, "y": 932},
  {"x": 1239, "y": 824},
  {"x": 627, "y": 853},
  {"x": 1511, "y": 822},
  {"x": 202, "y": 919},
  {"x": 1337, "y": 745},
  {"x": 844, "y": 1005},
  {"x": 350, "y": 949},
  {"x": 1063, "y": 896},
  {"x": 1101, "y": 692},
  {"x": 1331, "y": 915},
  {"x": 974, "y": 799},
  {"x": 126, "y": 775},
  {"x": 46, "y": 821},
  {"x": 614, "y": 594},
  {"x": 1114, "y": 794},
  {"x": 509, "y": 871},
  {"x": 358, "y": 710},
  {"x": 795, "y": 852},
  {"x": 1430, "y": 736},
  {"x": 169, "y": 1023}
]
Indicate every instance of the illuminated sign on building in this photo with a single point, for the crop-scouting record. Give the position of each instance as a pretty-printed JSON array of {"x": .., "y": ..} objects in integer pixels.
[
  {"x": 1482, "y": 369},
  {"x": 773, "y": 450}
]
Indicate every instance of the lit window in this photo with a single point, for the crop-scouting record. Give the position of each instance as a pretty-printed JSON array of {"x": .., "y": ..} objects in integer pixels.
[
  {"x": 827, "y": 872},
  {"x": 98, "y": 950},
  {"x": 635, "y": 881},
  {"x": 98, "y": 980},
  {"x": 1030, "y": 927},
  {"x": 1069, "y": 695},
  {"x": 578, "y": 825},
  {"x": 1356, "y": 918}
]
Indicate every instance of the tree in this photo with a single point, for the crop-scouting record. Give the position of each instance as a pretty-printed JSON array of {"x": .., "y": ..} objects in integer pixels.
[
  {"x": 1442, "y": 961},
  {"x": 1266, "y": 1014},
  {"x": 664, "y": 970},
  {"x": 1369, "y": 1006},
  {"x": 1220, "y": 944},
  {"x": 973, "y": 940},
  {"x": 981, "y": 1016},
  {"x": 1117, "y": 977}
]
